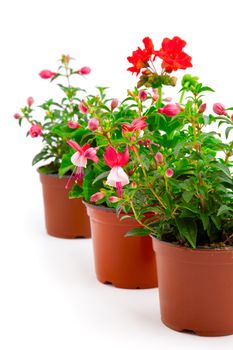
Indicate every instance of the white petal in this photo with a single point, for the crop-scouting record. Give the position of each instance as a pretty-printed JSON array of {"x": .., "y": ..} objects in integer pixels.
[
  {"x": 117, "y": 174},
  {"x": 79, "y": 160}
]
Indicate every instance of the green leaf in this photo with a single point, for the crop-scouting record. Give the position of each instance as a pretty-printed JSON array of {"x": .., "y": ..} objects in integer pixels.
[
  {"x": 137, "y": 231},
  {"x": 76, "y": 192},
  {"x": 66, "y": 164},
  {"x": 187, "y": 196},
  {"x": 223, "y": 209},
  {"x": 217, "y": 221},
  {"x": 227, "y": 131},
  {"x": 188, "y": 230},
  {"x": 101, "y": 176},
  {"x": 205, "y": 220}
]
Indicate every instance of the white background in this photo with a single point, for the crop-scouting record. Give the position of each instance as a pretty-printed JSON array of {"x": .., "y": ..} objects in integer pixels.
[{"x": 49, "y": 297}]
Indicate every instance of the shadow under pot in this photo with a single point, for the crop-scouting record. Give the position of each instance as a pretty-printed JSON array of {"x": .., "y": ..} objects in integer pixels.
[
  {"x": 124, "y": 262},
  {"x": 195, "y": 288},
  {"x": 64, "y": 217}
]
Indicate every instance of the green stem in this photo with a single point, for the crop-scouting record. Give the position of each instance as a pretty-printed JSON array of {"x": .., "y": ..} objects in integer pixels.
[
  {"x": 182, "y": 96},
  {"x": 138, "y": 220},
  {"x": 160, "y": 99}
]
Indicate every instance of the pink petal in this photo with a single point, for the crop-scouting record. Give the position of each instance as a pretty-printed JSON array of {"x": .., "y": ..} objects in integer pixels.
[
  {"x": 123, "y": 158},
  {"x": 110, "y": 157},
  {"x": 75, "y": 145}
]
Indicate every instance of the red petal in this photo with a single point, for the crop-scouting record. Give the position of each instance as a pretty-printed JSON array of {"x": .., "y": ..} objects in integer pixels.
[{"x": 75, "y": 146}]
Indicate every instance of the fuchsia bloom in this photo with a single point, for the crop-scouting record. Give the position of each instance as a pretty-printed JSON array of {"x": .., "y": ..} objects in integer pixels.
[
  {"x": 73, "y": 125},
  {"x": 219, "y": 109},
  {"x": 170, "y": 110},
  {"x": 142, "y": 95},
  {"x": 202, "y": 108},
  {"x": 35, "y": 130},
  {"x": 137, "y": 125},
  {"x": 114, "y": 103},
  {"x": 82, "y": 107},
  {"x": 116, "y": 160},
  {"x": 93, "y": 124},
  {"x": 46, "y": 74},
  {"x": 79, "y": 159},
  {"x": 30, "y": 101},
  {"x": 97, "y": 196},
  {"x": 84, "y": 70},
  {"x": 169, "y": 172}
]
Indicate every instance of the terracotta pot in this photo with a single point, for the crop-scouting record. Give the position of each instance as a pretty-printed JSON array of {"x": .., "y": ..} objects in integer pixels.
[
  {"x": 64, "y": 217},
  {"x": 195, "y": 288},
  {"x": 125, "y": 262}
]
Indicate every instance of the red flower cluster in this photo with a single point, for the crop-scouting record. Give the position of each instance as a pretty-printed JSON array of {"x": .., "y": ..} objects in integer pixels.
[
  {"x": 140, "y": 57},
  {"x": 172, "y": 55}
]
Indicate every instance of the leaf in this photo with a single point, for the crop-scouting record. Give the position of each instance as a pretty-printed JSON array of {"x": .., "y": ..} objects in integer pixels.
[
  {"x": 76, "y": 192},
  {"x": 188, "y": 230},
  {"x": 66, "y": 164},
  {"x": 227, "y": 131},
  {"x": 137, "y": 231},
  {"x": 205, "y": 220},
  {"x": 187, "y": 196},
  {"x": 217, "y": 221},
  {"x": 205, "y": 88},
  {"x": 42, "y": 155},
  {"x": 101, "y": 176},
  {"x": 223, "y": 209}
]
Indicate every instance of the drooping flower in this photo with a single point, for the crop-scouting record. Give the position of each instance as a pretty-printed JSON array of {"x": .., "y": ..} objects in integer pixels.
[
  {"x": 114, "y": 103},
  {"x": 170, "y": 110},
  {"x": 142, "y": 95},
  {"x": 140, "y": 57},
  {"x": 159, "y": 158},
  {"x": 173, "y": 56},
  {"x": 93, "y": 124},
  {"x": 82, "y": 107},
  {"x": 35, "y": 130},
  {"x": 46, "y": 74},
  {"x": 73, "y": 125},
  {"x": 30, "y": 101},
  {"x": 169, "y": 172},
  {"x": 202, "y": 108},
  {"x": 97, "y": 196},
  {"x": 116, "y": 160},
  {"x": 219, "y": 109},
  {"x": 137, "y": 124},
  {"x": 84, "y": 70}
]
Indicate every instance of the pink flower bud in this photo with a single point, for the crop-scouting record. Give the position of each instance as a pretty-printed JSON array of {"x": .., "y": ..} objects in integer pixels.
[
  {"x": 219, "y": 109},
  {"x": 30, "y": 101},
  {"x": 142, "y": 95},
  {"x": 168, "y": 99},
  {"x": 114, "y": 199},
  {"x": 16, "y": 115},
  {"x": 232, "y": 118},
  {"x": 82, "y": 107},
  {"x": 202, "y": 108},
  {"x": 170, "y": 110},
  {"x": 73, "y": 125},
  {"x": 97, "y": 196},
  {"x": 134, "y": 184},
  {"x": 93, "y": 124},
  {"x": 169, "y": 172},
  {"x": 159, "y": 158},
  {"x": 114, "y": 103},
  {"x": 35, "y": 130},
  {"x": 155, "y": 96},
  {"x": 84, "y": 70},
  {"x": 46, "y": 74}
]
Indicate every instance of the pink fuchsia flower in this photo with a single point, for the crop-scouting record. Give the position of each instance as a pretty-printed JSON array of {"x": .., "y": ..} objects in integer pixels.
[
  {"x": 202, "y": 108},
  {"x": 114, "y": 103},
  {"x": 35, "y": 130},
  {"x": 84, "y": 70},
  {"x": 170, "y": 110},
  {"x": 47, "y": 74},
  {"x": 116, "y": 160},
  {"x": 114, "y": 199},
  {"x": 219, "y": 109},
  {"x": 159, "y": 158},
  {"x": 137, "y": 125},
  {"x": 142, "y": 95},
  {"x": 169, "y": 172},
  {"x": 82, "y": 154},
  {"x": 73, "y": 125},
  {"x": 82, "y": 107},
  {"x": 93, "y": 124},
  {"x": 30, "y": 101},
  {"x": 97, "y": 196},
  {"x": 17, "y": 116}
]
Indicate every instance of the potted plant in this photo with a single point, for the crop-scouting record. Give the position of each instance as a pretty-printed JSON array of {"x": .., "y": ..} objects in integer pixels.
[
  {"x": 101, "y": 161},
  {"x": 188, "y": 186},
  {"x": 60, "y": 120}
]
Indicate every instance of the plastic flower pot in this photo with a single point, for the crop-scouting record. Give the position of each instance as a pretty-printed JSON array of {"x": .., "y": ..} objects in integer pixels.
[
  {"x": 64, "y": 217},
  {"x": 195, "y": 288},
  {"x": 124, "y": 262}
]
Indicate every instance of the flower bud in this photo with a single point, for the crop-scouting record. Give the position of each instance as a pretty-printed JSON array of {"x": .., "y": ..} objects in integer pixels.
[
  {"x": 73, "y": 125},
  {"x": 170, "y": 110},
  {"x": 84, "y": 70},
  {"x": 134, "y": 184},
  {"x": 232, "y": 118},
  {"x": 35, "y": 130},
  {"x": 17, "y": 116},
  {"x": 219, "y": 109},
  {"x": 159, "y": 158},
  {"x": 142, "y": 95},
  {"x": 202, "y": 108},
  {"x": 169, "y": 172},
  {"x": 65, "y": 59},
  {"x": 97, "y": 196},
  {"x": 82, "y": 107},
  {"x": 114, "y": 103},
  {"x": 114, "y": 199},
  {"x": 30, "y": 101},
  {"x": 46, "y": 74},
  {"x": 168, "y": 99},
  {"x": 145, "y": 71},
  {"x": 93, "y": 124}
]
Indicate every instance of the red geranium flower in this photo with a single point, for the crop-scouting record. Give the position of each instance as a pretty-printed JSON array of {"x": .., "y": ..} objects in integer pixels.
[
  {"x": 172, "y": 55},
  {"x": 140, "y": 57}
]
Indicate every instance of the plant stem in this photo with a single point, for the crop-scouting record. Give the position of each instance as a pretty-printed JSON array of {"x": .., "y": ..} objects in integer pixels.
[{"x": 138, "y": 220}]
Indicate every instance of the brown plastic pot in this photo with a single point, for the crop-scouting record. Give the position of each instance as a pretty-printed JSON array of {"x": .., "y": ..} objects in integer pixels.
[
  {"x": 64, "y": 217},
  {"x": 195, "y": 288},
  {"x": 124, "y": 262}
]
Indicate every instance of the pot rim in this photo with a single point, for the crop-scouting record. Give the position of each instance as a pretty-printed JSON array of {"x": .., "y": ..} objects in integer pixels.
[
  {"x": 52, "y": 175},
  {"x": 202, "y": 249},
  {"x": 98, "y": 207}
]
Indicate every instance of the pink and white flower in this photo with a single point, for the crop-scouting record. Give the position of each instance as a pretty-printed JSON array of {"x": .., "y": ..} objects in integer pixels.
[{"x": 137, "y": 125}]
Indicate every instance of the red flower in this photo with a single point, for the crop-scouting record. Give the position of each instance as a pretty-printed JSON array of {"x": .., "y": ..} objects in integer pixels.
[
  {"x": 113, "y": 158},
  {"x": 137, "y": 125},
  {"x": 46, "y": 74},
  {"x": 35, "y": 130},
  {"x": 172, "y": 55},
  {"x": 140, "y": 58}
]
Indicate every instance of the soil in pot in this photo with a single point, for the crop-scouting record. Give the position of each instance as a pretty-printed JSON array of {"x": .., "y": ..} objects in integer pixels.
[
  {"x": 64, "y": 217},
  {"x": 195, "y": 288},
  {"x": 124, "y": 262}
]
